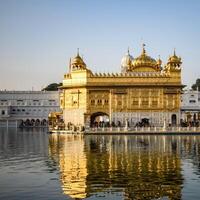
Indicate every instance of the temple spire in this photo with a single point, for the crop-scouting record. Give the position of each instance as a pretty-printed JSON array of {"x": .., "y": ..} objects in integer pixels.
[
  {"x": 159, "y": 61},
  {"x": 70, "y": 65},
  {"x": 128, "y": 51},
  {"x": 143, "y": 49},
  {"x": 77, "y": 51},
  {"x": 174, "y": 51}
]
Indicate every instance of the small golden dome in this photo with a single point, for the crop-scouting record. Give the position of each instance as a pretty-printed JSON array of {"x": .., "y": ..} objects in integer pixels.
[
  {"x": 174, "y": 59},
  {"x": 144, "y": 60},
  {"x": 159, "y": 61},
  {"x": 77, "y": 62}
]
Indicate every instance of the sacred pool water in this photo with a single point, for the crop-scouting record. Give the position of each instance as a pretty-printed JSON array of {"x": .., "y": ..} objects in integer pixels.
[{"x": 35, "y": 165}]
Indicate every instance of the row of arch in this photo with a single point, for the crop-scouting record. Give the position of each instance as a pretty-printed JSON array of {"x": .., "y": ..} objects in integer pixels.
[{"x": 33, "y": 123}]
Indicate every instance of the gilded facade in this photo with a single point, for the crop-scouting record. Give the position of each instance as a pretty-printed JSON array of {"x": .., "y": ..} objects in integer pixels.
[{"x": 145, "y": 89}]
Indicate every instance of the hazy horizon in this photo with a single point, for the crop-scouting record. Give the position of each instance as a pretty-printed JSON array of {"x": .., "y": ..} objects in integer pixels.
[{"x": 39, "y": 37}]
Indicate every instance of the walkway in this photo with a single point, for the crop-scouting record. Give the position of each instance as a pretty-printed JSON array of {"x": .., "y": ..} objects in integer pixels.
[{"x": 142, "y": 130}]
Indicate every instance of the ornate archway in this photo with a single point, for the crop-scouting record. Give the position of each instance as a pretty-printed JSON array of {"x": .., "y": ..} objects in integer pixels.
[
  {"x": 37, "y": 122},
  {"x": 99, "y": 119}
]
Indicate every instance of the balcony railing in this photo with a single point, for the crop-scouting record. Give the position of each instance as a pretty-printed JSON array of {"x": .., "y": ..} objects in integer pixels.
[{"x": 143, "y": 130}]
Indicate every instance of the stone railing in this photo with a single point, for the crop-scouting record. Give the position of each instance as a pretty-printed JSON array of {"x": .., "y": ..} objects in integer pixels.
[{"x": 143, "y": 130}]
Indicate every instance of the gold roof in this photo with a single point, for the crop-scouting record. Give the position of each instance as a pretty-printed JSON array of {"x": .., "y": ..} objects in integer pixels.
[{"x": 144, "y": 60}]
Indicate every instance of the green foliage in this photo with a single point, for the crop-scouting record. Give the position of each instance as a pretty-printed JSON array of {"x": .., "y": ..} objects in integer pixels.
[
  {"x": 52, "y": 87},
  {"x": 196, "y": 85}
]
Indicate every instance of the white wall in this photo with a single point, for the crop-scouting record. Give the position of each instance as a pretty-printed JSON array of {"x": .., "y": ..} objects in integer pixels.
[{"x": 28, "y": 104}]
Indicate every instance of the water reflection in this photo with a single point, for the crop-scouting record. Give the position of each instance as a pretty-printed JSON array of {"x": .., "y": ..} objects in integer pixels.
[
  {"x": 140, "y": 167},
  {"x": 68, "y": 151},
  {"x": 26, "y": 172}
]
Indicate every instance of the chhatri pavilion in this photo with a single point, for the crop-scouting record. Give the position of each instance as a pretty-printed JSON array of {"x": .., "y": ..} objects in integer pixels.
[{"x": 145, "y": 91}]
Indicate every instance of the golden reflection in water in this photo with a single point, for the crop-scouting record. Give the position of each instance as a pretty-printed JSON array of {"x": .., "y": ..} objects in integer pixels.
[
  {"x": 68, "y": 151},
  {"x": 141, "y": 167}
]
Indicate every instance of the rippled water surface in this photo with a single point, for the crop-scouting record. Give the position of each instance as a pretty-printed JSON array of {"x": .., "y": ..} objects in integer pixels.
[{"x": 35, "y": 165}]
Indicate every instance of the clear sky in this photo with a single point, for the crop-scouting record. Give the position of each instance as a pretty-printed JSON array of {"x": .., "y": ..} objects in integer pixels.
[{"x": 37, "y": 37}]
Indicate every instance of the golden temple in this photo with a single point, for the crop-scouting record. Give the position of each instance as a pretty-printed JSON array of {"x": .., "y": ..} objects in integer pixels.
[{"x": 145, "y": 91}]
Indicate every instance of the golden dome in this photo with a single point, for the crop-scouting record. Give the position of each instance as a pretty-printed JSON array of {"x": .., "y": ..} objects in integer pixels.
[
  {"x": 144, "y": 60},
  {"x": 77, "y": 62},
  {"x": 174, "y": 59}
]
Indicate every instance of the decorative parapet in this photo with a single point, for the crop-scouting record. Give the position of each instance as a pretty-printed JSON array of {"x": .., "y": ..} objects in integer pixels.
[{"x": 131, "y": 74}]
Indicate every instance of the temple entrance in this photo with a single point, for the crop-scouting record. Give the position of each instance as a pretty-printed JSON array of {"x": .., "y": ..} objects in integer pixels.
[
  {"x": 99, "y": 119},
  {"x": 145, "y": 121},
  {"x": 174, "y": 120}
]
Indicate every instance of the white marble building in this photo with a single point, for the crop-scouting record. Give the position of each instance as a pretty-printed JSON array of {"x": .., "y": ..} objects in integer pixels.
[
  {"x": 31, "y": 106},
  {"x": 190, "y": 106}
]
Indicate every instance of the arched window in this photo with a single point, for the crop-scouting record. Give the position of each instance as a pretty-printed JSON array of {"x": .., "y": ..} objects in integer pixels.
[{"x": 92, "y": 102}]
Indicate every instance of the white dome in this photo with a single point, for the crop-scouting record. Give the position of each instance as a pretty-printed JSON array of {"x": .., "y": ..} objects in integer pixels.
[{"x": 126, "y": 60}]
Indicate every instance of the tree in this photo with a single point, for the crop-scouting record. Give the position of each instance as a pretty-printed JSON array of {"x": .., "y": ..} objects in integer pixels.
[
  {"x": 52, "y": 87},
  {"x": 196, "y": 85}
]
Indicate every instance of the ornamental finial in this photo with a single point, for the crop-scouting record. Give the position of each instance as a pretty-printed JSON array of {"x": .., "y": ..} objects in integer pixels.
[
  {"x": 77, "y": 51},
  {"x": 174, "y": 51},
  {"x": 70, "y": 65},
  {"x": 159, "y": 61},
  {"x": 143, "y": 49}
]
